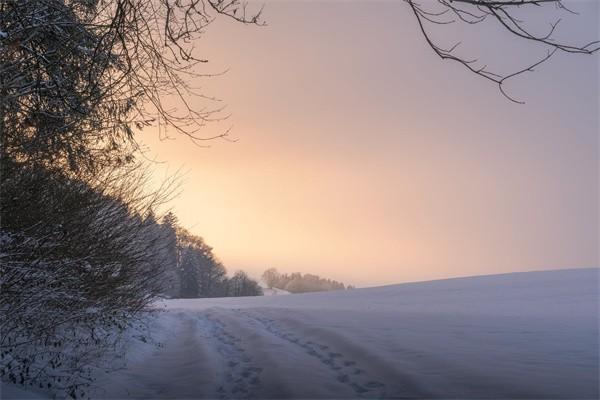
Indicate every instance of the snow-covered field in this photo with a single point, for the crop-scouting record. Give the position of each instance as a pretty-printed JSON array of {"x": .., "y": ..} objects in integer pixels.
[{"x": 525, "y": 335}]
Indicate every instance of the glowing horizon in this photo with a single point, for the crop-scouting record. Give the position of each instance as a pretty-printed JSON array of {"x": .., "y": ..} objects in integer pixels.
[{"x": 365, "y": 159}]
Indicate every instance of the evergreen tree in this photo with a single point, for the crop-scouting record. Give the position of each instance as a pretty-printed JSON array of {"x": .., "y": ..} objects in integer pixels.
[
  {"x": 171, "y": 263},
  {"x": 189, "y": 287}
]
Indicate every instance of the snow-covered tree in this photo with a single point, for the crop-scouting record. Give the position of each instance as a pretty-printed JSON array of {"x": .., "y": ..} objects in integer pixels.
[
  {"x": 271, "y": 276},
  {"x": 172, "y": 260},
  {"x": 241, "y": 285},
  {"x": 78, "y": 263}
]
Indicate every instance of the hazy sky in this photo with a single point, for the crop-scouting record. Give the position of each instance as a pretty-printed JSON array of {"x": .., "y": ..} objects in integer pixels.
[{"x": 364, "y": 158}]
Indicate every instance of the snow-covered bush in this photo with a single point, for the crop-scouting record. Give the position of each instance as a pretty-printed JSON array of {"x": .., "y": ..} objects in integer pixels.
[{"x": 77, "y": 265}]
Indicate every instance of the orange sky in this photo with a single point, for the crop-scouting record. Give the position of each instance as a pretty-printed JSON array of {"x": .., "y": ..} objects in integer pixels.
[{"x": 364, "y": 158}]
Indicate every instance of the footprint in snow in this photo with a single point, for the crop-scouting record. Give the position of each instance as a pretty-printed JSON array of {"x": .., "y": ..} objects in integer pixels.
[
  {"x": 240, "y": 378},
  {"x": 347, "y": 371}
]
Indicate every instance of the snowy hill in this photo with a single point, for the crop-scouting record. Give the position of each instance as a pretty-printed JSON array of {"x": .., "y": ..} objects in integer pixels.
[
  {"x": 274, "y": 291},
  {"x": 523, "y": 335},
  {"x": 558, "y": 293}
]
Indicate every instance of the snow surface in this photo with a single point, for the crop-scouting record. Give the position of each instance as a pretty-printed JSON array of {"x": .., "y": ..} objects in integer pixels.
[
  {"x": 267, "y": 291},
  {"x": 523, "y": 335}
]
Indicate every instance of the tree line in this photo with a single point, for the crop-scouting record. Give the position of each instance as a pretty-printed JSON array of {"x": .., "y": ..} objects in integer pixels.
[
  {"x": 300, "y": 283},
  {"x": 194, "y": 271}
]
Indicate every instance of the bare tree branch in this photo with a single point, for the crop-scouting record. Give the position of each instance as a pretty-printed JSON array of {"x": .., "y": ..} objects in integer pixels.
[{"x": 503, "y": 14}]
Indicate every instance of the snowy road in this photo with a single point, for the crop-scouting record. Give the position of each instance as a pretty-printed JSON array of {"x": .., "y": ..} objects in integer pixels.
[{"x": 510, "y": 336}]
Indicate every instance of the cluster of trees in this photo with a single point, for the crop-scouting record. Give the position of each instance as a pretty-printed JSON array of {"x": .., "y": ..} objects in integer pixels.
[
  {"x": 300, "y": 283},
  {"x": 82, "y": 253},
  {"x": 194, "y": 271}
]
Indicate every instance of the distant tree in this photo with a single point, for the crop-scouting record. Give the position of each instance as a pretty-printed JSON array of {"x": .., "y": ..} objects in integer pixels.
[
  {"x": 190, "y": 285},
  {"x": 271, "y": 276},
  {"x": 198, "y": 275},
  {"x": 241, "y": 285},
  {"x": 212, "y": 277},
  {"x": 211, "y": 272},
  {"x": 172, "y": 262},
  {"x": 299, "y": 283},
  {"x": 203, "y": 275}
]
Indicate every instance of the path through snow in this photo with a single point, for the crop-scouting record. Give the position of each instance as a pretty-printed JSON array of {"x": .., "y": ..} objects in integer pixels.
[{"x": 528, "y": 335}]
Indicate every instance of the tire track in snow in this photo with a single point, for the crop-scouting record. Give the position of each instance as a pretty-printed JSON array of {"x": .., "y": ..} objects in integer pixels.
[
  {"x": 241, "y": 376},
  {"x": 346, "y": 371}
]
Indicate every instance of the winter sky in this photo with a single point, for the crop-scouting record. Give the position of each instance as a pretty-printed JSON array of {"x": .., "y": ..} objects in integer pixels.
[{"x": 364, "y": 158}]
